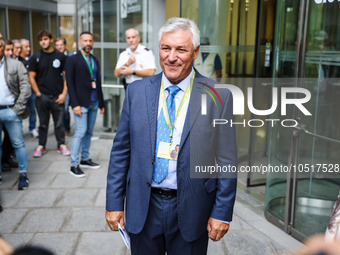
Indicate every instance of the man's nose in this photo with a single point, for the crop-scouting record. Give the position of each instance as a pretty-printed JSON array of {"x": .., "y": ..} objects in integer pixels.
[{"x": 172, "y": 55}]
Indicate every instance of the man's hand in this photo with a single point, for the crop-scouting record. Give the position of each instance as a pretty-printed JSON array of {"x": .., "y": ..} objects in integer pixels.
[
  {"x": 113, "y": 218},
  {"x": 126, "y": 70},
  {"x": 101, "y": 110},
  {"x": 131, "y": 60},
  {"x": 216, "y": 229},
  {"x": 61, "y": 99},
  {"x": 77, "y": 110}
]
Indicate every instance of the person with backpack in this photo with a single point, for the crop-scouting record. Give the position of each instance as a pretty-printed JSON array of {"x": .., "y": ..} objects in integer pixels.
[{"x": 46, "y": 69}]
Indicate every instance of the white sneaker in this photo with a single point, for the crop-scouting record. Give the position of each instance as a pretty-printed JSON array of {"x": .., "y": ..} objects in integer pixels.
[{"x": 35, "y": 133}]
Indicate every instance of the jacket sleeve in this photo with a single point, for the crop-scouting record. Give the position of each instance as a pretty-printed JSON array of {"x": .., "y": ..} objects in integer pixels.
[
  {"x": 25, "y": 90},
  {"x": 119, "y": 162},
  {"x": 226, "y": 155},
  {"x": 70, "y": 82}
]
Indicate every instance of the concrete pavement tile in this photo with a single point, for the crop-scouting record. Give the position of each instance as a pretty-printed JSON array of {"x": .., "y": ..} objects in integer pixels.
[
  {"x": 67, "y": 181},
  {"x": 244, "y": 213},
  {"x": 41, "y": 180},
  {"x": 10, "y": 218},
  {"x": 59, "y": 243},
  {"x": 9, "y": 198},
  {"x": 247, "y": 243},
  {"x": 37, "y": 166},
  {"x": 43, "y": 220},
  {"x": 274, "y": 233},
  {"x": 17, "y": 240},
  {"x": 101, "y": 198},
  {"x": 245, "y": 225},
  {"x": 9, "y": 180},
  {"x": 78, "y": 198},
  {"x": 217, "y": 248},
  {"x": 235, "y": 224},
  {"x": 96, "y": 179},
  {"x": 39, "y": 198},
  {"x": 86, "y": 220},
  {"x": 59, "y": 167},
  {"x": 101, "y": 244}
]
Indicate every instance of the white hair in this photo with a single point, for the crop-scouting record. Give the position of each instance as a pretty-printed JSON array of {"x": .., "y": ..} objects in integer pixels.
[
  {"x": 137, "y": 32},
  {"x": 24, "y": 41},
  {"x": 175, "y": 23}
]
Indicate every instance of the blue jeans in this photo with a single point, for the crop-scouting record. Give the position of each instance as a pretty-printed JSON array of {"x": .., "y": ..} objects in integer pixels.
[
  {"x": 83, "y": 133},
  {"x": 67, "y": 114},
  {"x": 33, "y": 114},
  {"x": 13, "y": 124}
]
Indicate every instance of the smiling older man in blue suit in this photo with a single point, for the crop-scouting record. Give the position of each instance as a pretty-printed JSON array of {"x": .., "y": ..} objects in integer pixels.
[{"x": 161, "y": 137}]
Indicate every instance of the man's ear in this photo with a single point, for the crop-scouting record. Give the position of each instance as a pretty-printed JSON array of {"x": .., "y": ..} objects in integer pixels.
[{"x": 196, "y": 51}]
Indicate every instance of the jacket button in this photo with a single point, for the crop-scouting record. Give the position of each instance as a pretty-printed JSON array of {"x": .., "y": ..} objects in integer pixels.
[{"x": 148, "y": 183}]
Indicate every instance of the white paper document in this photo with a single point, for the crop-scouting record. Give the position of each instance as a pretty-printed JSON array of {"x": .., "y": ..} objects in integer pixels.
[{"x": 124, "y": 234}]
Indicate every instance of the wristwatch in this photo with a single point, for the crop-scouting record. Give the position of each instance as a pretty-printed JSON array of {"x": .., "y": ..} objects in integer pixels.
[{"x": 134, "y": 73}]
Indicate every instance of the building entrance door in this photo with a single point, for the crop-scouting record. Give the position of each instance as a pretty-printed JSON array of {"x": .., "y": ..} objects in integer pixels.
[{"x": 307, "y": 49}]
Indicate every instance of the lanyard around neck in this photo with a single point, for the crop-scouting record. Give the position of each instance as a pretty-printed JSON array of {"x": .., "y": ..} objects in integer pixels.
[
  {"x": 165, "y": 108},
  {"x": 91, "y": 67}
]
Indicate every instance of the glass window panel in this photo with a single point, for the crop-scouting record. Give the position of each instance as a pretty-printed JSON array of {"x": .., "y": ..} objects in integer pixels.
[
  {"x": 95, "y": 17},
  {"x": 3, "y": 23},
  {"x": 66, "y": 27},
  {"x": 18, "y": 24},
  {"x": 133, "y": 19},
  {"x": 110, "y": 20},
  {"x": 54, "y": 25},
  {"x": 110, "y": 60}
]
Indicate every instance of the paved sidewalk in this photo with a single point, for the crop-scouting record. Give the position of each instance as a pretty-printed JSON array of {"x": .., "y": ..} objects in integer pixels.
[{"x": 66, "y": 214}]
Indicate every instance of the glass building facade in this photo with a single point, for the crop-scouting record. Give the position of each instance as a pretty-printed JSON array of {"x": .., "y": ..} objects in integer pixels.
[{"x": 18, "y": 21}]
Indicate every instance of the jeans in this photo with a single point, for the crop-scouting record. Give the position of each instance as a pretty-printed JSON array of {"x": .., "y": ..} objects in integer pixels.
[
  {"x": 33, "y": 114},
  {"x": 45, "y": 105},
  {"x": 83, "y": 132},
  {"x": 13, "y": 124},
  {"x": 67, "y": 114}
]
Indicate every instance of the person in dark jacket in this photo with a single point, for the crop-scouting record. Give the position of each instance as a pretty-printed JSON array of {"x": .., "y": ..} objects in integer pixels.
[{"x": 85, "y": 91}]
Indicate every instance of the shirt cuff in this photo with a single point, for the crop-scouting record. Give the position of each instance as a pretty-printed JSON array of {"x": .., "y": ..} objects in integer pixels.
[{"x": 226, "y": 222}]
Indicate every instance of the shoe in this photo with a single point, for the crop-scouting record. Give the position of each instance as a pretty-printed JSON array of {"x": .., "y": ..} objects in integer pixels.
[
  {"x": 63, "y": 150},
  {"x": 76, "y": 171},
  {"x": 23, "y": 182},
  {"x": 6, "y": 167},
  {"x": 39, "y": 151},
  {"x": 11, "y": 162},
  {"x": 35, "y": 133},
  {"x": 89, "y": 164},
  {"x": 0, "y": 178}
]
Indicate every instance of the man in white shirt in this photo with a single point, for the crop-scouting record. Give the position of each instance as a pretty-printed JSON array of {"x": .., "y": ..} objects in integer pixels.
[{"x": 137, "y": 61}]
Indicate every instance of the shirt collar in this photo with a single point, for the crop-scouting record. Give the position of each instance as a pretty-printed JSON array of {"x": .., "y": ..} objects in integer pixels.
[
  {"x": 138, "y": 50},
  {"x": 183, "y": 85}
]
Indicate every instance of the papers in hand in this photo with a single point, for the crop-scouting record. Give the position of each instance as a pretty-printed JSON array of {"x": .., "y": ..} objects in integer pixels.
[{"x": 124, "y": 234}]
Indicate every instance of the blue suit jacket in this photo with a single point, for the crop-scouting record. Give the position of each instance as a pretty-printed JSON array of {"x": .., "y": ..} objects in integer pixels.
[
  {"x": 133, "y": 152},
  {"x": 78, "y": 79}
]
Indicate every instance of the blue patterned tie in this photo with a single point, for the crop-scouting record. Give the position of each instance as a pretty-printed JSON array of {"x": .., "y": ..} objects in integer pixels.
[{"x": 163, "y": 134}]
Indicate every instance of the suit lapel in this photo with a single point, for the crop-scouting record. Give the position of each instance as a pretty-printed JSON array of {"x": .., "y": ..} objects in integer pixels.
[
  {"x": 83, "y": 62},
  {"x": 152, "y": 98},
  {"x": 193, "y": 109}
]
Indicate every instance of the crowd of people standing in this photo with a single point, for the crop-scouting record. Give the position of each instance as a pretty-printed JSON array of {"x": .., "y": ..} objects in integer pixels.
[{"x": 47, "y": 83}]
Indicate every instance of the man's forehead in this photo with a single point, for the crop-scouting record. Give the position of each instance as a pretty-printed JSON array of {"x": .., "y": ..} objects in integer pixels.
[
  {"x": 131, "y": 32},
  {"x": 86, "y": 37}
]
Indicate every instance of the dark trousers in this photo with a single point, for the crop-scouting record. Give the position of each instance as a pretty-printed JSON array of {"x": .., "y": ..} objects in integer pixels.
[
  {"x": 7, "y": 148},
  {"x": 161, "y": 232},
  {"x": 45, "y": 105}
]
